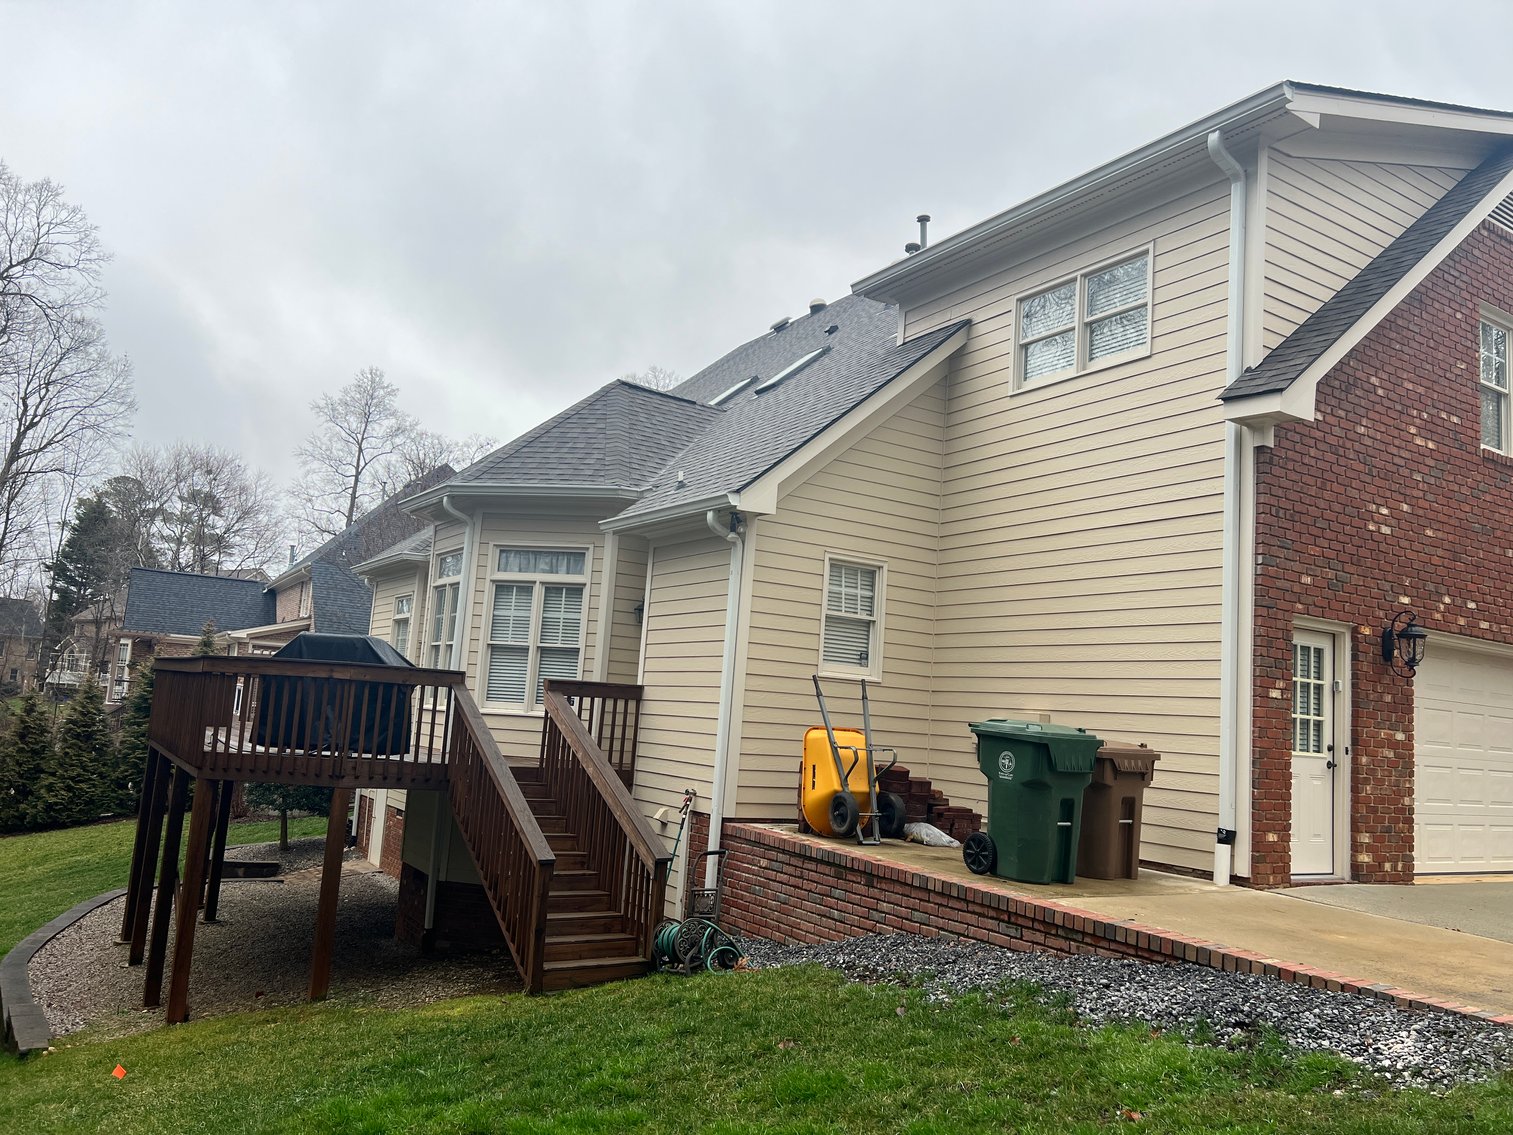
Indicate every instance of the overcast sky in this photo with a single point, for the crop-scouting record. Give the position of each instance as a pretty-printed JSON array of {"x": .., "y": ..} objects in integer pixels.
[{"x": 506, "y": 205}]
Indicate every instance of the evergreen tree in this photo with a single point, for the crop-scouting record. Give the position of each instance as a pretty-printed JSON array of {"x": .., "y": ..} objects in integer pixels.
[
  {"x": 90, "y": 568},
  {"x": 27, "y": 751},
  {"x": 131, "y": 743},
  {"x": 206, "y": 647},
  {"x": 286, "y": 798},
  {"x": 76, "y": 785}
]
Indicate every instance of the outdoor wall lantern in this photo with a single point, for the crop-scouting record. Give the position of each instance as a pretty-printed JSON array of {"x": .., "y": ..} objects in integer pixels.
[{"x": 1403, "y": 642}]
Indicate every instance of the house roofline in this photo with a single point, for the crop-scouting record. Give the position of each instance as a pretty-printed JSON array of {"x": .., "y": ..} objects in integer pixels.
[
  {"x": 432, "y": 497},
  {"x": 681, "y": 510},
  {"x": 390, "y": 559}
]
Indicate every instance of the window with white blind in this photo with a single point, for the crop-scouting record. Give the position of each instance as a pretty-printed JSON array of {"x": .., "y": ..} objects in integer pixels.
[
  {"x": 851, "y": 634},
  {"x": 399, "y": 631},
  {"x": 1092, "y": 320},
  {"x": 444, "y": 597},
  {"x": 535, "y": 623},
  {"x": 1496, "y": 426}
]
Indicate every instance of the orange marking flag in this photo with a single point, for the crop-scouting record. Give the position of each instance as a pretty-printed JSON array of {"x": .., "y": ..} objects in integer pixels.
[{"x": 119, "y": 1073}]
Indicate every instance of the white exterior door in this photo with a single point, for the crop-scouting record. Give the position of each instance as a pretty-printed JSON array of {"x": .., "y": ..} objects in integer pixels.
[
  {"x": 1314, "y": 761},
  {"x": 1463, "y": 780}
]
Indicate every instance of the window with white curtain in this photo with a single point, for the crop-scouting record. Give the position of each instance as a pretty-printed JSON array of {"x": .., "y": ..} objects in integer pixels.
[
  {"x": 444, "y": 598},
  {"x": 1496, "y": 425},
  {"x": 1093, "y": 319},
  {"x": 535, "y": 626},
  {"x": 399, "y": 633},
  {"x": 851, "y": 636}
]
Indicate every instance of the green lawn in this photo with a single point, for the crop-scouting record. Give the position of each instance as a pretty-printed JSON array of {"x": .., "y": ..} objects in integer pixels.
[
  {"x": 45, "y": 873},
  {"x": 778, "y": 1051}
]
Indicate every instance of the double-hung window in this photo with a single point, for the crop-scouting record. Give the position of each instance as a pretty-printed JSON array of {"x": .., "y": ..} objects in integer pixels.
[
  {"x": 444, "y": 597},
  {"x": 535, "y": 623},
  {"x": 1093, "y": 319},
  {"x": 1496, "y": 426},
  {"x": 399, "y": 633},
  {"x": 851, "y": 636}
]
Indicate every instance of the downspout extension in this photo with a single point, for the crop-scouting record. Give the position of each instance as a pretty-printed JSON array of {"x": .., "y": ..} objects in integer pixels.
[
  {"x": 733, "y": 534},
  {"x": 1230, "y": 742}
]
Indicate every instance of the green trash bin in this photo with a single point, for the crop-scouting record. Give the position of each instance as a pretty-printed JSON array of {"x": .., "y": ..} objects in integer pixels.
[{"x": 1036, "y": 777}]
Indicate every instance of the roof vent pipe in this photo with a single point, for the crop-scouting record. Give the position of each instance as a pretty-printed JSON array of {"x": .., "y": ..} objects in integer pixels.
[
  {"x": 924, "y": 230},
  {"x": 780, "y": 324},
  {"x": 912, "y": 247},
  {"x": 291, "y": 555},
  {"x": 816, "y": 306}
]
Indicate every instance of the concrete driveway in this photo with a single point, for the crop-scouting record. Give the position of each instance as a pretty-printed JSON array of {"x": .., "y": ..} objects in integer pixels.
[{"x": 1471, "y": 906}]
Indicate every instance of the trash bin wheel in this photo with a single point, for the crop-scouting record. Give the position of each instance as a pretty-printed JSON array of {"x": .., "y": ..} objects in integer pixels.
[
  {"x": 843, "y": 813},
  {"x": 891, "y": 805},
  {"x": 979, "y": 853}
]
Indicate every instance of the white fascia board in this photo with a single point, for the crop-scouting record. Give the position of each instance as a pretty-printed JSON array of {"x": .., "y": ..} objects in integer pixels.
[
  {"x": 417, "y": 504},
  {"x": 887, "y": 283},
  {"x": 1400, "y": 113},
  {"x": 761, "y": 496},
  {"x": 256, "y": 632},
  {"x": 383, "y": 563},
  {"x": 289, "y": 576},
  {"x": 672, "y": 515},
  {"x": 1300, "y": 395}
]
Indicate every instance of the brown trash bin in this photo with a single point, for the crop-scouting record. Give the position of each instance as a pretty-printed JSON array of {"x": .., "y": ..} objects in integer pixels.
[{"x": 1109, "y": 847}]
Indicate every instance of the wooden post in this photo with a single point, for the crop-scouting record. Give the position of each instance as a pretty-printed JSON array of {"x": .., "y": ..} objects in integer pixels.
[
  {"x": 154, "y": 843},
  {"x": 168, "y": 874},
  {"x": 218, "y": 849},
  {"x": 214, "y": 787},
  {"x": 200, "y": 822},
  {"x": 330, "y": 886},
  {"x": 139, "y": 881}
]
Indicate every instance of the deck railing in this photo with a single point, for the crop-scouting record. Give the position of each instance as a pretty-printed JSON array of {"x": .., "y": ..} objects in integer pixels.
[
  {"x": 298, "y": 722},
  {"x": 612, "y": 715},
  {"x": 631, "y": 862},
  {"x": 512, "y": 856}
]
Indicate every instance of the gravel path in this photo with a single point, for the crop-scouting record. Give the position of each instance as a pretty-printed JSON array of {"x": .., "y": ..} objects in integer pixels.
[
  {"x": 1412, "y": 1048},
  {"x": 258, "y": 953}
]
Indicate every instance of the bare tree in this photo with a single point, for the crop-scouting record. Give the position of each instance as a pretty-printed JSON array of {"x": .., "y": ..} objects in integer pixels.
[
  {"x": 361, "y": 427},
  {"x": 653, "y": 378},
  {"x": 424, "y": 450},
  {"x": 64, "y": 398}
]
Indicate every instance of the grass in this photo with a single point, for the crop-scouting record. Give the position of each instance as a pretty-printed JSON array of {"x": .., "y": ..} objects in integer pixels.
[
  {"x": 776, "y": 1051},
  {"x": 42, "y": 874}
]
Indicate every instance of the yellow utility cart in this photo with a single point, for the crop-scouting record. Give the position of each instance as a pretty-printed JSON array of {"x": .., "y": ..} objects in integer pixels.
[{"x": 838, "y": 793}]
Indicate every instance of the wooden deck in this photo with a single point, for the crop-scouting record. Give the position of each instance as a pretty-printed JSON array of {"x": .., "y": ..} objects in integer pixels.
[{"x": 217, "y": 721}]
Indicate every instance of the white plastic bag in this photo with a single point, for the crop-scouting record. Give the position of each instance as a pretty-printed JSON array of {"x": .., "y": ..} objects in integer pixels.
[{"x": 929, "y": 835}]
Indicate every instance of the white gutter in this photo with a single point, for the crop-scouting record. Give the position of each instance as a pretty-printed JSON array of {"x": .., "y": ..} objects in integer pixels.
[
  {"x": 727, "y": 685},
  {"x": 1236, "y": 447}
]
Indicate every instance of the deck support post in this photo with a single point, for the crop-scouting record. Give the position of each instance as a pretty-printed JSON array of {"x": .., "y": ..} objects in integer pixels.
[
  {"x": 218, "y": 849},
  {"x": 143, "y": 856},
  {"x": 168, "y": 874},
  {"x": 330, "y": 886},
  {"x": 200, "y": 821}
]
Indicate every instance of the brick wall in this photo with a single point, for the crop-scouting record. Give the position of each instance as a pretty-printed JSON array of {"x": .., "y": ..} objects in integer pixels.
[
  {"x": 464, "y": 920},
  {"x": 1385, "y": 501},
  {"x": 391, "y": 856},
  {"x": 364, "y": 824}
]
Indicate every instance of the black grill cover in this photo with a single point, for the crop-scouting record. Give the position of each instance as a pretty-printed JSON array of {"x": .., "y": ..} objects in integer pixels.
[{"x": 305, "y": 713}]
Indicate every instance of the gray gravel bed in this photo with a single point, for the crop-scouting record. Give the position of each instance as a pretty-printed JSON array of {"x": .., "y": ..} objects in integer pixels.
[
  {"x": 257, "y": 954},
  {"x": 1432, "y": 1050}
]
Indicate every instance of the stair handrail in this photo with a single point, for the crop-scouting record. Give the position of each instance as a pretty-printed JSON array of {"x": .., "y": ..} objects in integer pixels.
[
  {"x": 648, "y": 847},
  {"x": 530, "y": 951}
]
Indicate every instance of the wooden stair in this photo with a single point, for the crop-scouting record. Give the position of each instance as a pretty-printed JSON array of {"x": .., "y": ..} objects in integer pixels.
[{"x": 586, "y": 941}]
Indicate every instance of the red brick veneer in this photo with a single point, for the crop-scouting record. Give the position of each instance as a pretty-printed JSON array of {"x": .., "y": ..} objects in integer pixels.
[
  {"x": 1385, "y": 501},
  {"x": 364, "y": 831},
  {"x": 464, "y": 920},
  {"x": 391, "y": 856},
  {"x": 793, "y": 888}
]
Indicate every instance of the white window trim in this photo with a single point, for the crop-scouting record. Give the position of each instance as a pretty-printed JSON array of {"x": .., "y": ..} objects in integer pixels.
[
  {"x": 1503, "y": 322},
  {"x": 1080, "y": 365},
  {"x": 873, "y": 672},
  {"x": 409, "y": 618},
  {"x": 529, "y": 708},
  {"x": 439, "y": 581}
]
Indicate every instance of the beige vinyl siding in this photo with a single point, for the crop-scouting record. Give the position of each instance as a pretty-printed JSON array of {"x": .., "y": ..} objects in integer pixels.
[
  {"x": 877, "y": 502},
  {"x": 386, "y": 588},
  {"x": 517, "y": 733},
  {"x": 1326, "y": 220},
  {"x": 625, "y": 627},
  {"x": 685, "y": 638},
  {"x": 1081, "y": 521}
]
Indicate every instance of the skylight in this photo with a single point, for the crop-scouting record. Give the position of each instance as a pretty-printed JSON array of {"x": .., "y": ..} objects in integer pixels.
[
  {"x": 733, "y": 391},
  {"x": 790, "y": 370}
]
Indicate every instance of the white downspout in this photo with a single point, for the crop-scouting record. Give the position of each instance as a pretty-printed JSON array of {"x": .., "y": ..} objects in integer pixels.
[
  {"x": 1231, "y": 745},
  {"x": 727, "y": 684},
  {"x": 441, "y": 837}
]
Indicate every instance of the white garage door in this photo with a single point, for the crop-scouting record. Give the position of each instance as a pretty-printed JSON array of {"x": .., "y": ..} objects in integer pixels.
[{"x": 1463, "y": 708}]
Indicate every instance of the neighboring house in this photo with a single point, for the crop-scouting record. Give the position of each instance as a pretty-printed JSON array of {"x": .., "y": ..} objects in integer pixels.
[
  {"x": 20, "y": 639},
  {"x": 1157, "y": 453},
  {"x": 166, "y": 613},
  {"x": 88, "y": 648}
]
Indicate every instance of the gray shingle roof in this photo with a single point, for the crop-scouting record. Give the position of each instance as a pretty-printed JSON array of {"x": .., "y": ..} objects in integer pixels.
[
  {"x": 616, "y": 438},
  {"x": 342, "y": 603},
  {"x": 19, "y": 618},
  {"x": 180, "y": 602},
  {"x": 756, "y": 431},
  {"x": 1290, "y": 358}
]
